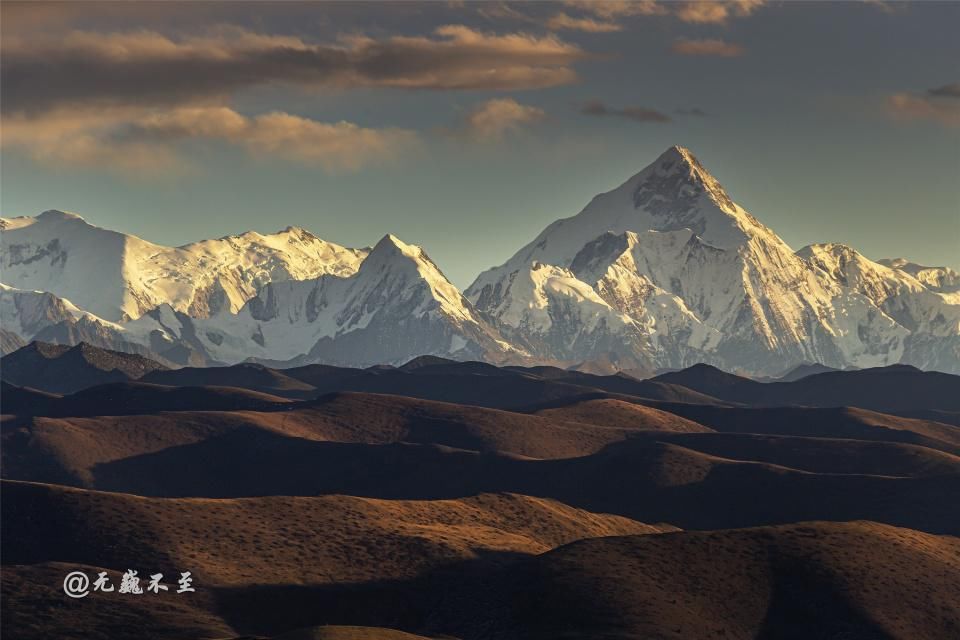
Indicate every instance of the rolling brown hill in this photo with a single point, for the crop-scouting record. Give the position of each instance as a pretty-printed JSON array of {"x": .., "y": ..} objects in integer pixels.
[
  {"x": 490, "y": 566},
  {"x": 893, "y": 388},
  {"x": 644, "y": 478},
  {"x": 510, "y": 392},
  {"x": 841, "y": 422},
  {"x": 286, "y": 540},
  {"x": 34, "y": 607},
  {"x": 611, "y": 412},
  {"x": 234, "y": 544},
  {"x": 23, "y": 400},
  {"x": 132, "y": 398},
  {"x": 255, "y": 377},
  {"x": 469, "y": 383},
  {"x": 307, "y": 511},
  {"x": 818, "y": 455},
  {"x": 801, "y": 581},
  {"x": 70, "y": 450}
]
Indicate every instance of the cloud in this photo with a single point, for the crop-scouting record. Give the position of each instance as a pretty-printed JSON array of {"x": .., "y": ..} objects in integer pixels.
[
  {"x": 134, "y": 143},
  {"x": 707, "y": 12},
  {"x": 562, "y": 21},
  {"x": 695, "y": 111},
  {"x": 715, "y": 12},
  {"x": 910, "y": 107},
  {"x": 490, "y": 121},
  {"x": 130, "y": 101},
  {"x": 130, "y": 159},
  {"x": 702, "y": 12},
  {"x": 503, "y": 11},
  {"x": 609, "y": 9},
  {"x": 707, "y": 47},
  {"x": 605, "y": 16},
  {"x": 143, "y": 67},
  {"x": 951, "y": 90},
  {"x": 637, "y": 114}
]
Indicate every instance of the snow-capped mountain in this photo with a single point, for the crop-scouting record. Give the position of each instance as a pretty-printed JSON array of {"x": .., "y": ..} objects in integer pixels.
[
  {"x": 695, "y": 277},
  {"x": 664, "y": 271},
  {"x": 396, "y": 306},
  {"x": 923, "y": 307},
  {"x": 120, "y": 277}
]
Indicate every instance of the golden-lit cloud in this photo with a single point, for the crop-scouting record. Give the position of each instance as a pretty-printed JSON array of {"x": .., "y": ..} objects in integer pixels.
[
  {"x": 492, "y": 120},
  {"x": 707, "y": 47},
  {"x": 715, "y": 12},
  {"x": 702, "y": 12},
  {"x": 562, "y": 21},
  {"x": 340, "y": 146},
  {"x": 145, "y": 143},
  {"x": 609, "y": 9},
  {"x": 128, "y": 101},
  {"x": 706, "y": 12},
  {"x": 45, "y": 72},
  {"x": 502, "y": 11},
  {"x": 942, "y": 108}
]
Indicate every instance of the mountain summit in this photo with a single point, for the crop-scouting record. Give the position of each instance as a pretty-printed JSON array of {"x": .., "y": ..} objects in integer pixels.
[{"x": 675, "y": 192}]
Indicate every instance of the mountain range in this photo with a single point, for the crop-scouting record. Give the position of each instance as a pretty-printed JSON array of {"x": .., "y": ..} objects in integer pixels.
[{"x": 663, "y": 272}]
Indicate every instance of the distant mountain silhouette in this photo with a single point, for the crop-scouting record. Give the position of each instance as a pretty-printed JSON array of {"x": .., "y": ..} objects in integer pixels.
[
  {"x": 805, "y": 370},
  {"x": 63, "y": 369},
  {"x": 893, "y": 388}
]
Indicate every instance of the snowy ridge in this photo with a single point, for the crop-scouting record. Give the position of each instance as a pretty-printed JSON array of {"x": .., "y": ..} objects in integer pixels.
[
  {"x": 120, "y": 277},
  {"x": 397, "y": 305},
  {"x": 902, "y": 296},
  {"x": 42, "y": 316},
  {"x": 939, "y": 279},
  {"x": 26, "y": 313}
]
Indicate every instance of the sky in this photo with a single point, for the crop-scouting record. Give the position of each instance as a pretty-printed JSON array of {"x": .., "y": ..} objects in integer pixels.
[{"x": 467, "y": 127}]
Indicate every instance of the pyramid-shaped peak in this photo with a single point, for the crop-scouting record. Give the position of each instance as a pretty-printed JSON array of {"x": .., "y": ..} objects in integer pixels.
[
  {"x": 677, "y": 176},
  {"x": 391, "y": 243},
  {"x": 676, "y": 153},
  {"x": 679, "y": 160},
  {"x": 391, "y": 250}
]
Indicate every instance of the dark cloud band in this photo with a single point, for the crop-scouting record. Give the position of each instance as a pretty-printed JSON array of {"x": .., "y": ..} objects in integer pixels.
[
  {"x": 149, "y": 68},
  {"x": 637, "y": 114}
]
